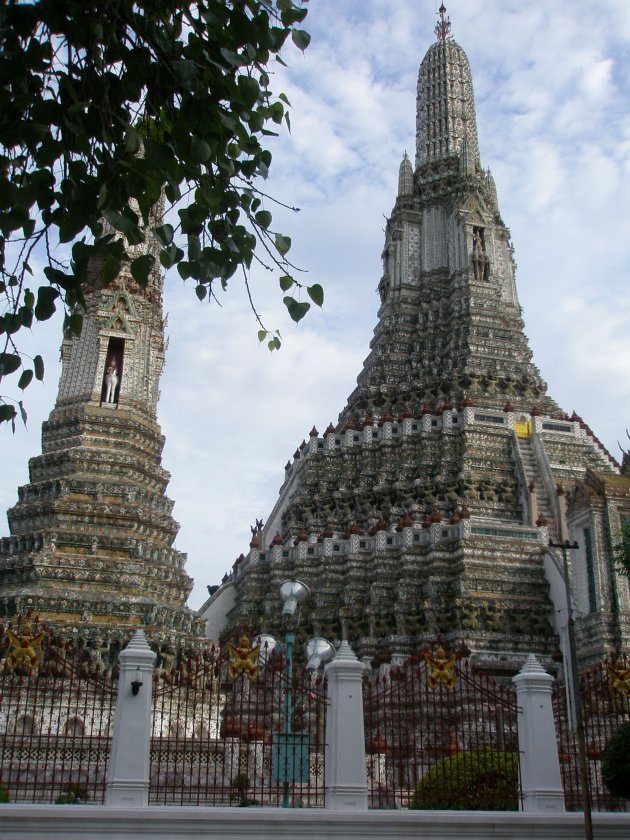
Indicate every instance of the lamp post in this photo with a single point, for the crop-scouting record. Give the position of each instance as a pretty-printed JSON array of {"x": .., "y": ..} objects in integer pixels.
[
  {"x": 290, "y": 749},
  {"x": 293, "y": 593},
  {"x": 575, "y": 689}
]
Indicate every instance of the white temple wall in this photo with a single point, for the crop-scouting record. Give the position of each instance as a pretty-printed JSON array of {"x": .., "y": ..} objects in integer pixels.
[{"x": 88, "y": 822}]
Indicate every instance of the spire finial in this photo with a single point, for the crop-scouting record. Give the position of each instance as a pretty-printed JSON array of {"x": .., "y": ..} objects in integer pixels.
[{"x": 443, "y": 28}]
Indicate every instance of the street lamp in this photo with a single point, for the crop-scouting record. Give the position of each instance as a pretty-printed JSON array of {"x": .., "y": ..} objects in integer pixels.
[
  {"x": 318, "y": 651},
  {"x": 269, "y": 645},
  {"x": 293, "y": 593},
  {"x": 291, "y": 749}
]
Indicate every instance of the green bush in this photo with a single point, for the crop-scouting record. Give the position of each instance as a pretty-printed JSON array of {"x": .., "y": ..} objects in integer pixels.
[
  {"x": 479, "y": 780},
  {"x": 4, "y": 793},
  {"x": 240, "y": 784},
  {"x": 73, "y": 794},
  {"x": 616, "y": 762}
]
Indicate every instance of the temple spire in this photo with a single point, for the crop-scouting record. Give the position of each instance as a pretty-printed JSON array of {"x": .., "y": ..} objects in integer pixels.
[
  {"x": 445, "y": 102},
  {"x": 92, "y": 533},
  {"x": 443, "y": 28},
  {"x": 405, "y": 177}
]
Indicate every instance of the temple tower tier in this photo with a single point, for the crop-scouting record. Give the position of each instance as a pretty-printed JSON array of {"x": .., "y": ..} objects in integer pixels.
[
  {"x": 426, "y": 511},
  {"x": 92, "y": 532}
]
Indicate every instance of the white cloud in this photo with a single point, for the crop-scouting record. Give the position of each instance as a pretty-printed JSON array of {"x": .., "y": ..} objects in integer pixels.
[{"x": 598, "y": 77}]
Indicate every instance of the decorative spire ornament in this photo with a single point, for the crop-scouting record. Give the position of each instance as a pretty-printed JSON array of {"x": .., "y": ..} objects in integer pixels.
[{"x": 443, "y": 27}]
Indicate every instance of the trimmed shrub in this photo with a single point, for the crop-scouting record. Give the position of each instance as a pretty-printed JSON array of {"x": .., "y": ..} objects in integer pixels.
[
  {"x": 479, "y": 780},
  {"x": 616, "y": 762},
  {"x": 4, "y": 793}
]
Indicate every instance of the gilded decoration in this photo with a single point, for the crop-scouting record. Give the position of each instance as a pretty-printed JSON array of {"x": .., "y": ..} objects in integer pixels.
[
  {"x": 618, "y": 679},
  {"x": 523, "y": 429},
  {"x": 25, "y": 649},
  {"x": 441, "y": 668},
  {"x": 243, "y": 659}
]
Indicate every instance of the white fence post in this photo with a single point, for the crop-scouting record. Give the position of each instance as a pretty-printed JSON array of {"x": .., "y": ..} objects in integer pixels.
[
  {"x": 541, "y": 783},
  {"x": 128, "y": 771},
  {"x": 346, "y": 778}
]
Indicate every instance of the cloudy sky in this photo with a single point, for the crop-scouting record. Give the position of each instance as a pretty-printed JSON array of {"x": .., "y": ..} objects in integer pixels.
[{"x": 552, "y": 87}]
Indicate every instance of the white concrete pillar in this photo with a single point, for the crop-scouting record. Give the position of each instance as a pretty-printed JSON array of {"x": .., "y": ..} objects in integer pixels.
[
  {"x": 541, "y": 782},
  {"x": 346, "y": 778},
  {"x": 128, "y": 771}
]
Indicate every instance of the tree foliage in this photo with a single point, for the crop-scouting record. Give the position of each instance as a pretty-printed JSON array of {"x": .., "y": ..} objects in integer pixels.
[
  {"x": 478, "y": 780},
  {"x": 108, "y": 105},
  {"x": 616, "y": 762}
]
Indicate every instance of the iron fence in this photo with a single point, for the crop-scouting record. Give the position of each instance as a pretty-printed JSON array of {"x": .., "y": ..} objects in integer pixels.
[
  {"x": 605, "y": 694},
  {"x": 226, "y": 738},
  {"x": 57, "y": 700},
  {"x": 440, "y": 736},
  {"x": 236, "y": 728}
]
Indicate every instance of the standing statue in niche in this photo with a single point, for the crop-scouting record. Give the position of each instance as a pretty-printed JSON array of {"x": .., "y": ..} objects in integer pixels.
[
  {"x": 479, "y": 257},
  {"x": 111, "y": 382}
]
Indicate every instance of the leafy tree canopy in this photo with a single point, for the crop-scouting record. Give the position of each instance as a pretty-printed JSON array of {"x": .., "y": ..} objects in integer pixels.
[{"x": 108, "y": 105}]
